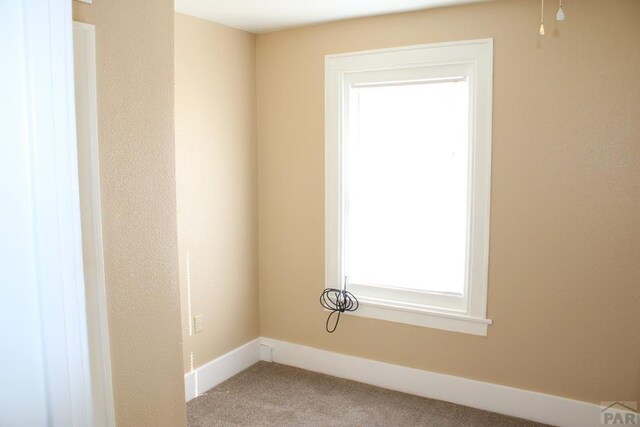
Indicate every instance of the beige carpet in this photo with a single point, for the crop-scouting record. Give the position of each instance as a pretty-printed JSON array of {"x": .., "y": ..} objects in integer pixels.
[{"x": 268, "y": 394}]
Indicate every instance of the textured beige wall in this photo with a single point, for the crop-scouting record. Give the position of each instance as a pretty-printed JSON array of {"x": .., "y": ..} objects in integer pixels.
[
  {"x": 216, "y": 171},
  {"x": 564, "y": 279},
  {"x": 135, "y": 122}
]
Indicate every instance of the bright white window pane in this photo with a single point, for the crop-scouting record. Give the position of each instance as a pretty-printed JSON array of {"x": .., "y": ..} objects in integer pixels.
[{"x": 406, "y": 186}]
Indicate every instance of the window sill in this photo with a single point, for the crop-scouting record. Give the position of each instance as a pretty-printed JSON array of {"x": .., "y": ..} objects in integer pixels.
[{"x": 419, "y": 316}]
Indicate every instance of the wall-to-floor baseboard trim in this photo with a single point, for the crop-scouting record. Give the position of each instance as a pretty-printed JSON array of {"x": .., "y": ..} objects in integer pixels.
[
  {"x": 515, "y": 402},
  {"x": 505, "y": 400},
  {"x": 221, "y": 369}
]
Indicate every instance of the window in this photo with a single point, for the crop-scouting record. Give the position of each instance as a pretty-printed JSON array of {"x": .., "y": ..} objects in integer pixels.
[{"x": 408, "y": 163}]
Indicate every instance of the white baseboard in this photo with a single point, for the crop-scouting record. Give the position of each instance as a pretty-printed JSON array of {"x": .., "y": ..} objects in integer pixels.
[
  {"x": 519, "y": 403},
  {"x": 515, "y": 402},
  {"x": 221, "y": 369}
]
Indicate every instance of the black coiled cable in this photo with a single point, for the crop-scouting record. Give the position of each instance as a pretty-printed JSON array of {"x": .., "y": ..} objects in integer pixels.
[{"x": 338, "y": 301}]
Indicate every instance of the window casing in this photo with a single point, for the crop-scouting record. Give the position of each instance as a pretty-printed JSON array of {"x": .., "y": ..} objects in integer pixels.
[{"x": 463, "y": 72}]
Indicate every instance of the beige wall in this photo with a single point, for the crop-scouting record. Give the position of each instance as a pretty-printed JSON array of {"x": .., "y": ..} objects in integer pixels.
[
  {"x": 564, "y": 279},
  {"x": 135, "y": 119},
  {"x": 216, "y": 172}
]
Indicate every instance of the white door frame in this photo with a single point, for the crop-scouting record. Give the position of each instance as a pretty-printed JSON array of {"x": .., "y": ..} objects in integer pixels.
[
  {"x": 43, "y": 269},
  {"x": 84, "y": 40}
]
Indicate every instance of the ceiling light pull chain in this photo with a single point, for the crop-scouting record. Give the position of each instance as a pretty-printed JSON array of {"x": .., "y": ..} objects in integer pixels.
[
  {"x": 542, "y": 18},
  {"x": 560, "y": 15}
]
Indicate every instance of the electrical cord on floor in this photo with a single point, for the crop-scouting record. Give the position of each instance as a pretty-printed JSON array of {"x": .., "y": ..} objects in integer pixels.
[{"x": 337, "y": 301}]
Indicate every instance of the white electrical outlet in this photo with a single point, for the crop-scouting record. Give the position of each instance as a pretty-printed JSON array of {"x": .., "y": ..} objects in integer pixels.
[{"x": 197, "y": 323}]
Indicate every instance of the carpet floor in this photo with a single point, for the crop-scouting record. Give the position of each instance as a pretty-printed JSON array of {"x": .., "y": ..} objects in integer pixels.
[{"x": 269, "y": 394}]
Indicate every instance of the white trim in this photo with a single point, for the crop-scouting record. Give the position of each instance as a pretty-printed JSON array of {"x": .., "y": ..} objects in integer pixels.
[
  {"x": 530, "y": 405},
  {"x": 525, "y": 404},
  {"x": 429, "y": 318},
  {"x": 221, "y": 369},
  {"x": 190, "y": 388},
  {"x": 473, "y": 58},
  {"x": 91, "y": 213}
]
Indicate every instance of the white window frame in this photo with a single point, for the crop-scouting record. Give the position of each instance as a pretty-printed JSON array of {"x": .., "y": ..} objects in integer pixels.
[{"x": 472, "y": 59}]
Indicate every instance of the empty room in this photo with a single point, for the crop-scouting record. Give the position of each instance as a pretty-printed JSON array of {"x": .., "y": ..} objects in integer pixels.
[{"x": 319, "y": 213}]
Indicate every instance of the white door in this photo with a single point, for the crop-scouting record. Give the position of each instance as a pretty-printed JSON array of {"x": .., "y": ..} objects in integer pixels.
[{"x": 45, "y": 378}]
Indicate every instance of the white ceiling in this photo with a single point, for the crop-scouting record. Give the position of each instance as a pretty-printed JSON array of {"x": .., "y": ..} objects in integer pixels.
[{"x": 260, "y": 16}]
